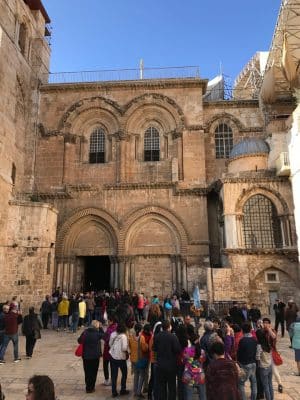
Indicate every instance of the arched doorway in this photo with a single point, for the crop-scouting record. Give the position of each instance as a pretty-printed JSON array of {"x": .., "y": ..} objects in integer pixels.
[{"x": 88, "y": 248}]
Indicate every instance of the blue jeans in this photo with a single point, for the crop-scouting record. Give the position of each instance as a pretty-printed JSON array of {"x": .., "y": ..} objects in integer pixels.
[
  {"x": 138, "y": 379},
  {"x": 75, "y": 319},
  {"x": 189, "y": 390},
  {"x": 250, "y": 373},
  {"x": 7, "y": 338},
  {"x": 266, "y": 380}
]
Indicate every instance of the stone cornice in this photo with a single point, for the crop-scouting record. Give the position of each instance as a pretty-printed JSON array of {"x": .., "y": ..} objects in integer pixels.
[
  {"x": 139, "y": 185},
  {"x": 289, "y": 252},
  {"x": 254, "y": 180},
  {"x": 231, "y": 103},
  {"x": 145, "y": 83},
  {"x": 194, "y": 128},
  {"x": 200, "y": 191}
]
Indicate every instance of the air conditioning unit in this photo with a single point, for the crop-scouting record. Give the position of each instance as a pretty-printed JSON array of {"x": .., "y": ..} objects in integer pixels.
[{"x": 283, "y": 164}]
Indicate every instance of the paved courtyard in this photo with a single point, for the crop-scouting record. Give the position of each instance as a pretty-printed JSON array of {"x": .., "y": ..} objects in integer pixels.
[{"x": 54, "y": 356}]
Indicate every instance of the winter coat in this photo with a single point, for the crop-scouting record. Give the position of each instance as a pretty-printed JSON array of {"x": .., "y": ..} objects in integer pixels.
[
  {"x": 63, "y": 307},
  {"x": 32, "y": 326},
  {"x": 91, "y": 343}
]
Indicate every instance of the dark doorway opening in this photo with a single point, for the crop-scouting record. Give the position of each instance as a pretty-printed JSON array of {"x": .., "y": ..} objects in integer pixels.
[{"x": 96, "y": 273}]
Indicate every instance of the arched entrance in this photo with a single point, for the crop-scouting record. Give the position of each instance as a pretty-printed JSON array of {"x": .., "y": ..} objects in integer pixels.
[{"x": 88, "y": 246}]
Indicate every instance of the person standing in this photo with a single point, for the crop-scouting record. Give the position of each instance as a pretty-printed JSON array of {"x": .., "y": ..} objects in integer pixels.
[
  {"x": 254, "y": 315},
  {"x": 118, "y": 344},
  {"x": 279, "y": 309},
  {"x": 246, "y": 357},
  {"x": 46, "y": 311},
  {"x": 11, "y": 321},
  {"x": 221, "y": 376},
  {"x": 31, "y": 329},
  {"x": 295, "y": 336},
  {"x": 63, "y": 313},
  {"x": 290, "y": 315},
  {"x": 90, "y": 338},
  {"x": 82, "y": 311},
  {"x": 74, "y": 313},
  {"x": 167, "y": 348},
  {"x": 112, "y": 326}
]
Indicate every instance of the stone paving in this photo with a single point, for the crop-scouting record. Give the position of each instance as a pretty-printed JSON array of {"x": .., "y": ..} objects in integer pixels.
[{"x": 54, "y": 356}]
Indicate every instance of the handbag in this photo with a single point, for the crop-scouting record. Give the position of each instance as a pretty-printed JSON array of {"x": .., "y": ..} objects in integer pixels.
[
  {"x": 79, "y": 348},
  {"x": 277, "y": 359}
]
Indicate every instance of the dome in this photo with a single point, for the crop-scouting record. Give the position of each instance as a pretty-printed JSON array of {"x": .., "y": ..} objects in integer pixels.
[{"x": 249, "y": 146}]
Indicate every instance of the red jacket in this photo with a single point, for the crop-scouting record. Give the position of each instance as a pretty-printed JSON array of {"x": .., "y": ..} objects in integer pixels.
[{"x": 11, "y": 323}]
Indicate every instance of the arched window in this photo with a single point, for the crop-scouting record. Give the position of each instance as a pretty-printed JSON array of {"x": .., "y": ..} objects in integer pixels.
[
  {"x": 151, "y": 144},
  {"x": 97, "y": 146},
  {"x": 223, "y": 140},
  {"x": 261, "y": 223},
  {"x": 22, "y": 38}
]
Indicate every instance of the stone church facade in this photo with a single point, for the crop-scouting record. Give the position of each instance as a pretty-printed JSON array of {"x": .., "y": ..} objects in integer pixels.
[{"x": 145, "y": 185}]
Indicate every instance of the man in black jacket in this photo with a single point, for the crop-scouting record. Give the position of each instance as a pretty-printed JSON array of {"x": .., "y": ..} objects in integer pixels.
[
  {"x": 246, "y": 357},
  {"x": 279, "y": 309},
  {"x": 167, "y": 347}
]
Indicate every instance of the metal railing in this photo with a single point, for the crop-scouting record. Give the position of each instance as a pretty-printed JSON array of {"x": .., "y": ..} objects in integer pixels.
[{"x": 189, "y": 72}]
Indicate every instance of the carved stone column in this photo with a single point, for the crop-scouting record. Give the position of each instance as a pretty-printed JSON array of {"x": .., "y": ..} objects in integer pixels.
[
  {"x": 112, "y": 273},
  {"x": 116, "y": 274},
  {"x": 173, "y": 266},
  {"x": 178, "y": 273},
  {"x": 184, "y": 274}
]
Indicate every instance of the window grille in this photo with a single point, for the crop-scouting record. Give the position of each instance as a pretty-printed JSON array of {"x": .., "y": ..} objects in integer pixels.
[
  {"x": 261, "y": 224},
  {"x": 223, "y": 140},
  {"x": 151, "y": 144},
  {"x": 97, "y": 146}
]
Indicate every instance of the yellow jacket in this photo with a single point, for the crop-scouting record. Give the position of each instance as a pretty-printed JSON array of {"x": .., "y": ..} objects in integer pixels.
[
  {"x": 133, "y": 347},
  {"x": 82, "y": 309},
  {"x": 63, "y": 307}
]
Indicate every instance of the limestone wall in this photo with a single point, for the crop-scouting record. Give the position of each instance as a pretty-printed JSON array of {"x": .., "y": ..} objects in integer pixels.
[{"x": 28, "y": 263}]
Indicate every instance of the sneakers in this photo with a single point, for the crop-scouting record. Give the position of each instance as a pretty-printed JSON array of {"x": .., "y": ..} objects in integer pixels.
[
  {"x": 107, "y": 382},
  {"x": 124, "y": 392},
  {"x": 17, "y": 360}
]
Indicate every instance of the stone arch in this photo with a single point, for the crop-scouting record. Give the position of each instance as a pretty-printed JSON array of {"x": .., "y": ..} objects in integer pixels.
[
  {"x": 154, "y": 215},
  {"x": 232, "y": 120},
  {"x": 273, "y": 195},
  {"x": 93, "y": 218},
  {"x": 109, "y": 108},
  {"x": 153, "y": 107}
]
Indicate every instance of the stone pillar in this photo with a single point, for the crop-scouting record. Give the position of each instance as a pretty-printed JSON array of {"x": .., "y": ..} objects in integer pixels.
[
  {"x": 126, "y": 273},
  {"x": 132, "y": 275},
  {"x": 122, "y": 264},
  {"x": 71, "y": 285},
  {"x": 209, "y": 280},
  {"x": 184, "y": 274},
  {"x": 174, "y": 281},
  {"x": 112, "y": 273},
  {"x": 178, "y": 273},
  {"x": 116, "y": 273}
]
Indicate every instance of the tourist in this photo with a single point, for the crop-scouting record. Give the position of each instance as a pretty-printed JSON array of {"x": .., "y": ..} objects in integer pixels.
[
  {"x": 82, "y": 310},
  {"x": 118, "y": 344},
  {"x": 63, "y": 313},
  {"x": 90, "y": 338},
  {"x": 279, "y": 309},
  {"x": 154, "y": 315},
  {"x": 254, "y": 315},
  {"x": 182, "y": 335},
  {"x": 290, "y": 314},
  {"x": 246, "y": 357},
  {"x": 74, "y": 313},
  {"x": 167, "y": 348},
  {"x": 221, "y": 376},
  {"x": 138, "y": 348},
  {"x": 46, "y": 311},
  {"x": 11, "y": 321},
  {"x": 31, "y": 329},
  {"x": 266, "y": 341},
  {"x": 295, "y": 336},
  {"x": 112, "y": 326},
  {"x": 5, "y": 309},
  {"x": 40, "y": 387},
  {"x": 152, "y": 387},
  {"x": 140, "y": 307}
]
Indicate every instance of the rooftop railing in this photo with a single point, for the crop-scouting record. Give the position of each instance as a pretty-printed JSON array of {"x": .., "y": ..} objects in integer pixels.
[{"x": 190, "y": 72}]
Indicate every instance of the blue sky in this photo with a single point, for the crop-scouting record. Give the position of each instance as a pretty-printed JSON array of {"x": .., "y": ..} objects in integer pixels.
[{"x": 114, "y": 34}]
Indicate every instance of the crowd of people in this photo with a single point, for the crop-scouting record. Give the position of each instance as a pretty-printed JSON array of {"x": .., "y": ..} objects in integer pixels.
[{"x": 161, "y": 341}]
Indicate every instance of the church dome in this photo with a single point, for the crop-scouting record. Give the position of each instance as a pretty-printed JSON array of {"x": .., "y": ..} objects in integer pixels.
[{"x": 249, "y": 146}]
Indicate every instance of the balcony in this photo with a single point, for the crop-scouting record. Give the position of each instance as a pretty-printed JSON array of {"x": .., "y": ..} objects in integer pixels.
[{"x": 283, "y": 164}]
